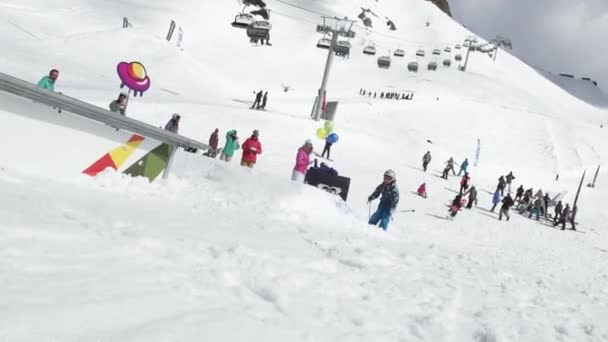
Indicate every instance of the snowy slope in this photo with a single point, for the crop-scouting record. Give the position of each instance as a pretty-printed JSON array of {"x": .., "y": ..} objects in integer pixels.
[
  {"x": 217, "y": 247},
  {"x": 582, "y": 89}
]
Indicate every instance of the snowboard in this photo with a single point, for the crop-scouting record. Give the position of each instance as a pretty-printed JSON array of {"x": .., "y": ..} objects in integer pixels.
[
  {"x": 151, "y": 164},
  {"x": 318, "y": 155}
]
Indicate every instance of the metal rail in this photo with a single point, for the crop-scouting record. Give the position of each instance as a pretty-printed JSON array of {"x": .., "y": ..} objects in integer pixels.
[{"x": 30, "y": 91}]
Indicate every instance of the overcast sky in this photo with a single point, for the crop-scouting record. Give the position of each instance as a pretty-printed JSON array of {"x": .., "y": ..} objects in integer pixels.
[{"x": 569, "y": 36}]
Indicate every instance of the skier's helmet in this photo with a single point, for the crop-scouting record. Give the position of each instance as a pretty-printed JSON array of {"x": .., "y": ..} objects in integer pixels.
[{"x": 390, "y": 174}]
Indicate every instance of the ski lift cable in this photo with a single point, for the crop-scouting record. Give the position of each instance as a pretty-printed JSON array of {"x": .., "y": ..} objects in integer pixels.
[{"x": 405, "y": 42}]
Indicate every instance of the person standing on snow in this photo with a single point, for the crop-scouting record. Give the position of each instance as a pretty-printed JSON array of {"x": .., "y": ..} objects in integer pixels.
[
  {"x": 558, "y": 211},
  {"x": 214, "y": 141},
  {"x": 464, "y": 182},
  {"x": 496, "y": 198},
  {"x": 388, "y": 201},
  {"x": 48, "y": 82},
  {"x": 450, "y": 165},
  {"x": 302, "y": 162},
  {"x": 472, "y": 196},
  {"x": 573, "y": 217},
  {"x": 563, "y": 217},
  {"x": 457, "y": 204},
  {"x": 173, "y": 124},
  {"x": 509, "y": 179},
  {"x": 258, "y": 100},
  {"x": 464, "y": 166},
  {"x": 519, "y": 193},
  {"x": 501, "y": 185},
  {"x": 251, "y": 148},
  {"x": 426, "y": 160},
  {"x": 264, "y": 101},
  {"x": 536, "y": 206},
  {"x": 119, "y": 105},
  {"x": 507, "y": 202},
  {"x": 327, "y": 148},
  {"x": 422, "y": 190},
  {"x": 232, "y": 144}
]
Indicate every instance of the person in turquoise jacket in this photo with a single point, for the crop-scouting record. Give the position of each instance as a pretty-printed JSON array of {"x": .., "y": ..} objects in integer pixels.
[
  {"x": 48, "y": 82},
  {"x": 232, "y": 144}
]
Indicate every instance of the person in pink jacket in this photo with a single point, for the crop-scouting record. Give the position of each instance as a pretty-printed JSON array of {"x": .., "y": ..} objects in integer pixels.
[{"x": 302, "y": 162}]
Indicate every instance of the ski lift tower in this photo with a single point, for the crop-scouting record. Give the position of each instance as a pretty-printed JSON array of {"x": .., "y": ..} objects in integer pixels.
[{"x": 336, "y": 27}]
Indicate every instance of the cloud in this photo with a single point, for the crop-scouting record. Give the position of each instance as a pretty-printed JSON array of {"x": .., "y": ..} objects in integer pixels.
[{"x": 557, "y": 35}]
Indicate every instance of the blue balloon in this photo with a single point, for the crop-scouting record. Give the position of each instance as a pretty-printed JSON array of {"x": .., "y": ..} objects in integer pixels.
[{"x": 333, "y": 138}]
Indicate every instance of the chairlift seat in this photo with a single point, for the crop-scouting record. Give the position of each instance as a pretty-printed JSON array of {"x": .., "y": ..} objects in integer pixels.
[
  {"x": 342, "y": 48},
  {"x": 458, "y": 57},
  {"x": 369, "y": 50},
  {"x": 384, "y": 62},
  {"x": 420, "y": 53},
  {"x": 432, "y": 66},
  {"x": 399, "y": 53},
  {"x": 447, "y": 62},
  {"x": 242, "y": 20},
  {"x": 412, "y": 66},
  {"x": 324, "y": 43},
  {"x": 437, "y": 52},
  {"x": 259, "y": 30},
  {"x": 448, "y": 49}
]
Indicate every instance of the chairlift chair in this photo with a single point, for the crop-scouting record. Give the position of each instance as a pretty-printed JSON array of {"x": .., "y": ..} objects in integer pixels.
[
  {"x": 448, "y": 49},
  {"x": 324, "y": 43},
  {"x": 369, "y": 50},
  {"x": 436, "y": 52},
  {"x": 384, "y": 62},
  {"x": 399, "y": 53},
  {"x": 432, "y": 66},
  {"x": 458, "y": 57},
  {"x": 342, "y": 48},
  {"x": 243, "y": 20},
  {"x": 412, "y": 66},
  {"x": 447, "y": 62},
  {"x": 420, "y": 53},
  {"x": 258, "y": 30},
  {"x": 457, "y": 47}
]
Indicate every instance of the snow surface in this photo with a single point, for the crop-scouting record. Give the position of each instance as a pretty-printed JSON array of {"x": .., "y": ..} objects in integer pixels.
[{"x": 218, "y": 252}]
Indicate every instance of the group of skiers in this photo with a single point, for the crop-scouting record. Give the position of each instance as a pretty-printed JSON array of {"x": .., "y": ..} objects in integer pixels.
[
  {"x": 261, "y": 99},
  {"x": 387, "y": 95},
  {"x": 252, "y": 147}
]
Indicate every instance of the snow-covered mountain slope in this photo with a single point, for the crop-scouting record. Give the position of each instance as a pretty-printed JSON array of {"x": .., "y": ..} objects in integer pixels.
[
  {"x": 582, "y": 89},
  {"x": 217, "y": 247}
]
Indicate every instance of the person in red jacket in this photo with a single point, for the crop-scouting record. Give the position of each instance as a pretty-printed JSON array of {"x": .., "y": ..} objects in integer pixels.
[
  {"x": 251, "y": 149},
  {"x": 464, "y": 182}
]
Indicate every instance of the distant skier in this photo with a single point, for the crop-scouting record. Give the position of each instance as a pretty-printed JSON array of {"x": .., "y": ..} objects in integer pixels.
[
  {"x": 507, "y": 202},
  {"x": 536, "y": 207},
  {"x": 450, "y": 166},
  {"x": 251, "y": 148},
  {"x": 472, "y": 196},
  {"x": 496, "y": 198},
  {"x": 388, "y": 202},
  {"x": 48, "y": 82},
  {"x": 563, "y": 217},
  {"x": 214, "y": 141},
  {"x": 258, "y": 100},
  {"x": 232, "y": 144},
  {"x": 519, "y": 193},
  {"x": 173, "y": 124},
  {"x": 422, "y": 190},
  {"x": 558, "y": 211},
  {"x": 501, "y": 185},
  {"x": 426, "y": 160},
  {"x": 464, "y": 166},
  {"x": 546, "y": 203},
  {"x": 327, "y": 148},
  {"x": 264, "y": 101},
  {"x": 464, "y": 182},
  {"x": 573, "y": 217},
  {"x": 509, "y": 179},
  {"x": 302, "y": 162},
  {"x": 119, "y": 105}
]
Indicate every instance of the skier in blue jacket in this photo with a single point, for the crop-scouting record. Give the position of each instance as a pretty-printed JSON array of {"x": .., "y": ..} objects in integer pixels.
[
  {"x": 495, "y": 199},
  {"x": 388, "y": 201},
  {"x": 464, "y": 166}
]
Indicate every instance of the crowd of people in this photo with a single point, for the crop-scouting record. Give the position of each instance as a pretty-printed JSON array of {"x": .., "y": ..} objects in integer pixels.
[
  {"x": 386, "y": 95},
  {"x": 526, "y": 201}
]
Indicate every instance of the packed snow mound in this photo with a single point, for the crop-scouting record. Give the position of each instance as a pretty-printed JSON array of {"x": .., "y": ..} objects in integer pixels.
[{"x": 217, "y": 246}]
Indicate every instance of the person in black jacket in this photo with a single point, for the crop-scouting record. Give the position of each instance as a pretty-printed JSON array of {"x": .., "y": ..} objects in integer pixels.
[
  {"x": 563, "y": 217},
  {"x": 558, "y": 211},
  {"x": 507, "y": 202},
  {"x": 501, "y": 185},
  {"x": 519, "y": 193},
  {"x": 258, "y": 100}
]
